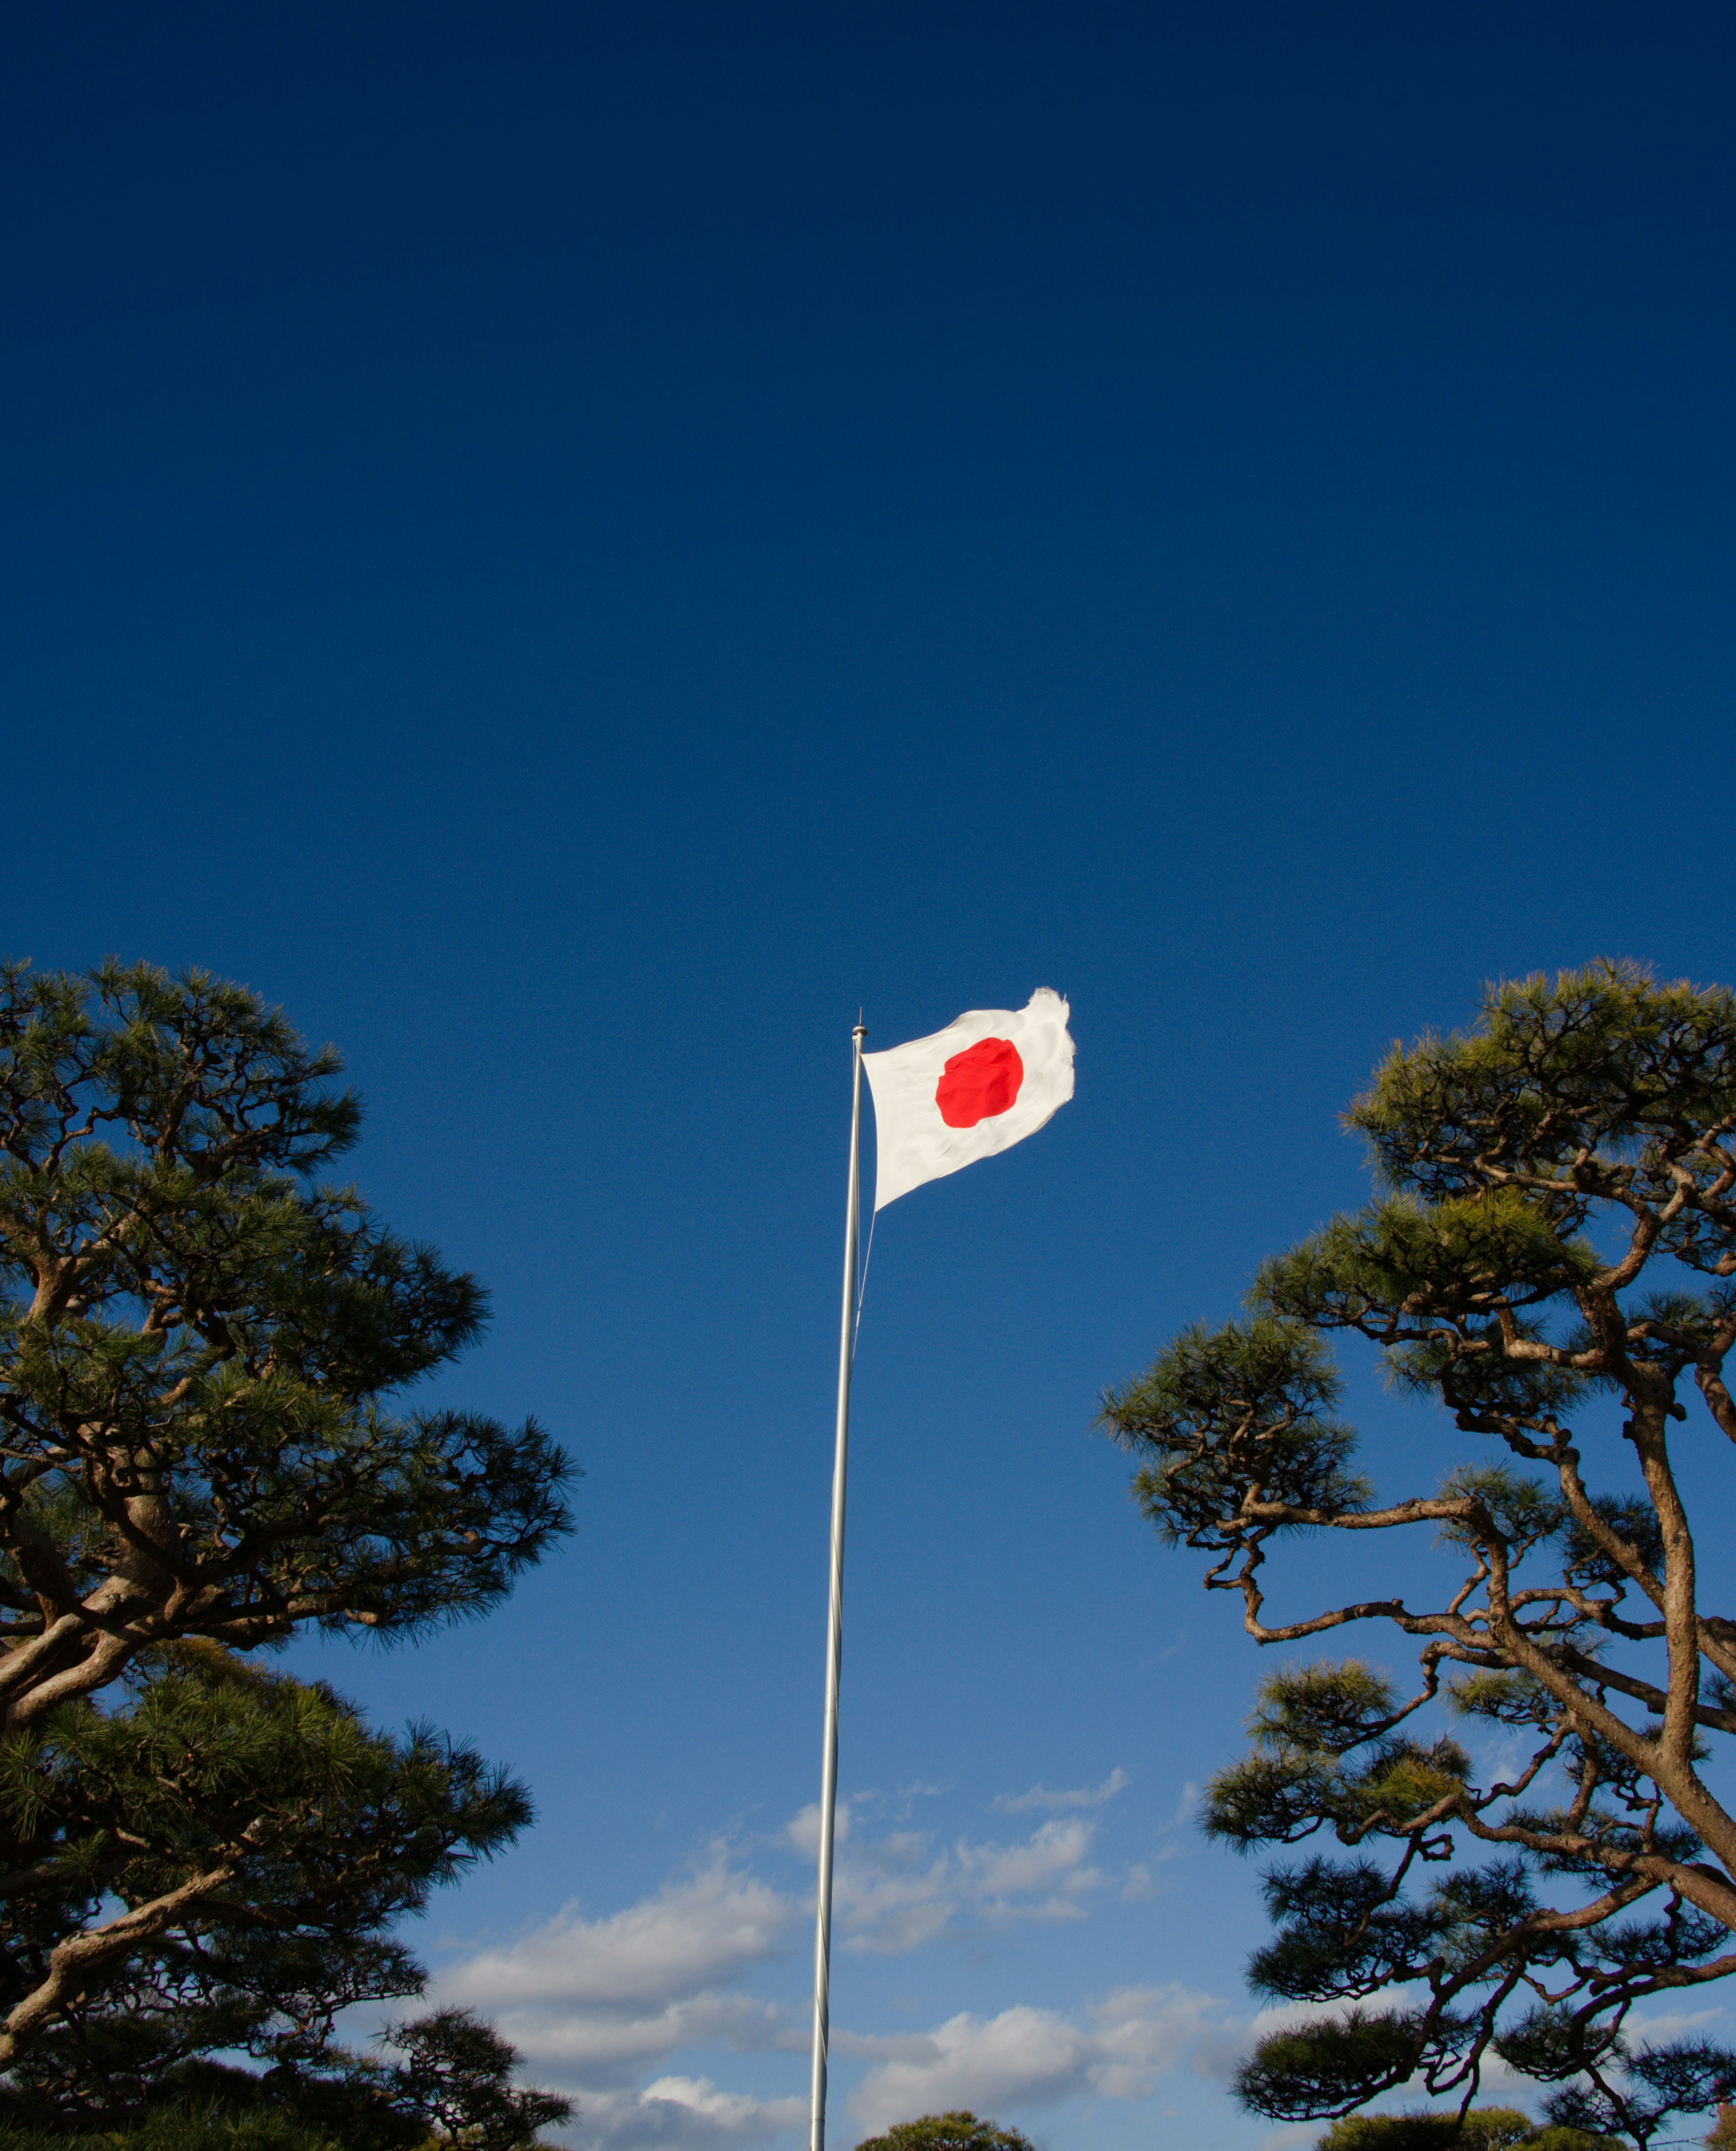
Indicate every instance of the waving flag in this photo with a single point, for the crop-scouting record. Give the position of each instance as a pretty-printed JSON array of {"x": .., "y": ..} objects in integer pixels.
[{"x": 983, "y": 1084}]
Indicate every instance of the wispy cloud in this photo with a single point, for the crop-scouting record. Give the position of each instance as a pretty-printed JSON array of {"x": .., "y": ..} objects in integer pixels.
[
  {"x": 618, "y": 2009},
  {"x": 595, "y": 2001},
  {"x": 1084, "y": 1796},
  {"x": 801, "y": 1832},
  {"x": 898, "y": 1892},
  {"x": 1659, "y": 2029},
  {"x": 683, "y": 2113},
  {"x": 711, "y": 1924},
  {"x": 1116, "y": 2047},
  {"x": 602, "y": 1999},
  {"x": 1184, "y": 1807}
]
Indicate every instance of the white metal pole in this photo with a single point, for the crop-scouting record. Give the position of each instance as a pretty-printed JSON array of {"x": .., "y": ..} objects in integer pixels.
[{"x": 835, "y": 1623}]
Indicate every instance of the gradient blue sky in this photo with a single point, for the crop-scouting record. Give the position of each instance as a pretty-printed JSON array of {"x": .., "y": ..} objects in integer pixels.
[{"x": 571, "y": 547}]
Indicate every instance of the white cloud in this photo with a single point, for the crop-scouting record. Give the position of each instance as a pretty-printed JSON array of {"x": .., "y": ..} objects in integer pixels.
[
  {"x": 690, "y": 1934},
  {"x": 595, "y": 2001},
  {"x": 1116, "y": 2047},
  {"x": 921, "y": 1790},
  {"x": 895, "y": 1893},
  {"x": 592, "y": 2002},
  {"x": 682, "y": 2113},
  {"x": 1051, "y": 1856},
  {"x": 597, "y": 2046},
  {"x": 603, "y": 2007},
  {"x": 1659, "y": 2029},
  {"x": 1184, "y": 1807},
  {"x": 1086, "y": 1796},
  {"x": 801, "y": 1832}
]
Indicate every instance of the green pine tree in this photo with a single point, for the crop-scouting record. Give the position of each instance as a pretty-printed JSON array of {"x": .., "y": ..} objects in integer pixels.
[
  {"x": 1554, "y": 1232},
  {"x": 1482, "y": 2128},
  {"x": 947, "y": 2131},
  {"x": 205, "y": 1350}
]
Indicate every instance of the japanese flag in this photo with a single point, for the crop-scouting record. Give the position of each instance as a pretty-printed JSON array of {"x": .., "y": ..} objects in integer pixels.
[{"x": 983, "y": 1084}]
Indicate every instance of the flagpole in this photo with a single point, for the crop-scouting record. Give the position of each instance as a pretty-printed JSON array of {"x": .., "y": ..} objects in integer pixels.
[{"x": 835, "y": 1622}]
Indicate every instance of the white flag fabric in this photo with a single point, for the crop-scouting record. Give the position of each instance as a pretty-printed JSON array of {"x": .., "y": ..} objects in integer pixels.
[{"x": 983, "y": 1084}]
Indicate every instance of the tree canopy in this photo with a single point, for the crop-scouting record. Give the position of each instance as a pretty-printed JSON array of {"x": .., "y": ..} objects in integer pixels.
[
  {"x": 451, "y": 2087},
  {"x": 1482, "y": 2128},
  {"x": 1551, "y": 1258},
  {"x": 204, "y": 1346},
  {"x": 947, "y": 2131}
]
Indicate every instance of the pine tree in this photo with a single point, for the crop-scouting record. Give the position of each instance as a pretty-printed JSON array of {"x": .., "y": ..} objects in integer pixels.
[
  {"x": 1554, "y": 1233},
  {"x": 203, "y": 1350},
  {"x": 1483, "y": 2129},
  {"x": 947, "y": 2131}
]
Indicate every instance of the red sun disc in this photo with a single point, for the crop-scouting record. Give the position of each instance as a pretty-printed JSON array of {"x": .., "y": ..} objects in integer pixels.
[{"x": 979, "y": 1083}]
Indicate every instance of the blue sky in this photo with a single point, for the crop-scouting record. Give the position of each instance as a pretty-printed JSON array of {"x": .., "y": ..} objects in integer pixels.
[{"x": 572, "y": 548}]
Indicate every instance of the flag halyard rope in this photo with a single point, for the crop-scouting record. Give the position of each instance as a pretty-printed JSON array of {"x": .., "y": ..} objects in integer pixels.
[{"x": 862, "y": 1285}]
